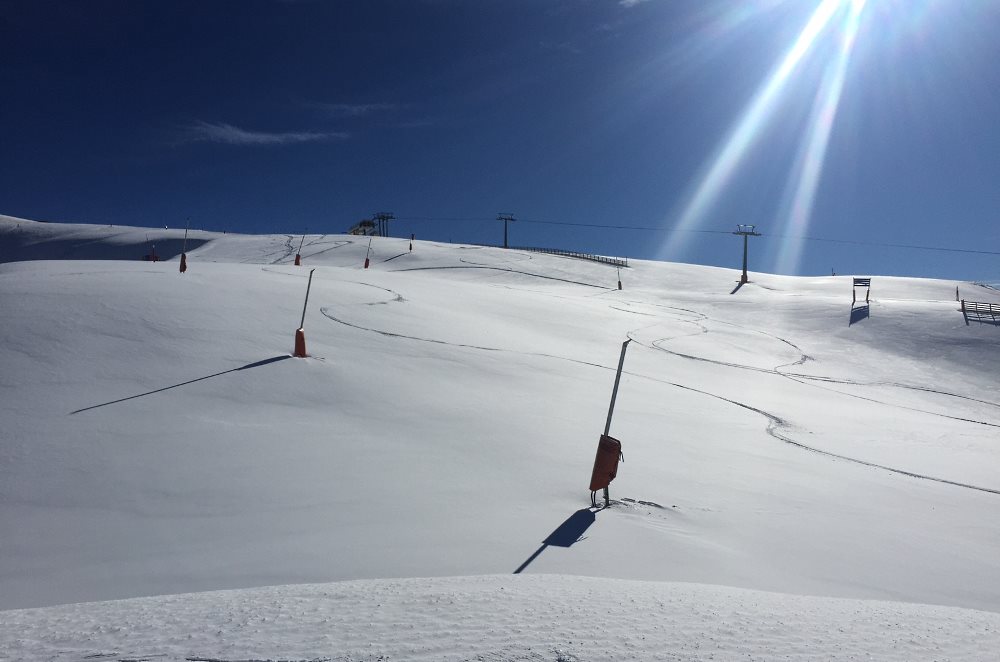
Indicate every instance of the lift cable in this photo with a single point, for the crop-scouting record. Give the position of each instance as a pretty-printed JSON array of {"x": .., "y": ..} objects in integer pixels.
[{"x": 609, "y": 226}]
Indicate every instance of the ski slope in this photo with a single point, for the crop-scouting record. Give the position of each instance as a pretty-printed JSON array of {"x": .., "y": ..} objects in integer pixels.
[{"x": 157, "y": 438}]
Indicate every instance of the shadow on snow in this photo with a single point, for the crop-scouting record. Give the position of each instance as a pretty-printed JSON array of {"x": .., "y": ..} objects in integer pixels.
[
  {"x": 566, "y": 534},
  {"x": 257, "y": 364},
  {"x": 859, "y": 313}
]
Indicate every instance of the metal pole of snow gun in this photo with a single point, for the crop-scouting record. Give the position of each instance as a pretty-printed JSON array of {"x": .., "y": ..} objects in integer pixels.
[
  {"x": 300, "y": 334},
  {"x": 302, "y": 324},
  {"x": 608, "y": 449}
]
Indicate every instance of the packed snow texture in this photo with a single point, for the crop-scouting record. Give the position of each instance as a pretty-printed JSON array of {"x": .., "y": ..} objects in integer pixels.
[
  {"x": 158, "y": 438},
  {"x": 531, "y": 618}
]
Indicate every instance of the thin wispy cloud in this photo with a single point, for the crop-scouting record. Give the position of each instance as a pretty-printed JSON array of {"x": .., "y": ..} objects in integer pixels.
[
  {"x": 630, "y": 3},
  {"x": 414, "y": 124},
  {"x": 561, "y": 46},
  {"x": 355, "y": 109},
  {"x": 220, "y": 132}
]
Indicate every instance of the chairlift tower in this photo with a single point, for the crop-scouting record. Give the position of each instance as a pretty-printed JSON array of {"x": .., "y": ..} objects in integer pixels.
[
  {"x": 746, "y": 231},
  {"x": 506, "y": 218},
  {"x": 383, "y": 218}
]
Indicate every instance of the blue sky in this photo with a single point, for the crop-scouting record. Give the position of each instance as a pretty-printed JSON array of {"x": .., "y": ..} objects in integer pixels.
[{"x": 848, "y": 131}]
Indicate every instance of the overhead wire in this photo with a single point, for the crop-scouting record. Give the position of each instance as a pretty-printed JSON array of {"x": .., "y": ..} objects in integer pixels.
[
  {"x": 605, "y": 226},
  {"x": 610, "y": 226},
  {"x": 944, "y": 249}
]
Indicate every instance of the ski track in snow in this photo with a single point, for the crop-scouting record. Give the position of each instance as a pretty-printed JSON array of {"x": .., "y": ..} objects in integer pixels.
[
  {"x": 799, "y": 377},
  {"x": 284, "y": 252},
  {"x": 325, "y": 311},
  {"x": 774, "y": 422},
  {"x": 522, "y": 257},
  {"x": 338, "y": 244},
  {"x": 806, "y": 380},
  {"x": 511, "y": 271},
  {"x": 287, "y": 250}
]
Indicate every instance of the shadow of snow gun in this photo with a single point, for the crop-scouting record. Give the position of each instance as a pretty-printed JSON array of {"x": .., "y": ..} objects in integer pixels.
[
  {"x": 609, "y": 449},
  {"x": 566, "y": 534}
]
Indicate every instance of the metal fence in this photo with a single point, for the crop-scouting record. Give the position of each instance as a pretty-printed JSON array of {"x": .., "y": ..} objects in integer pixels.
[{"x": 603, "y": 259}]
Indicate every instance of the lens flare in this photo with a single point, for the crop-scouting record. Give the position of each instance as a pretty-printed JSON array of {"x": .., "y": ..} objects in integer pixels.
[
  {"x": 749, "y": 127},
  {"x": 809, "y": 164}
]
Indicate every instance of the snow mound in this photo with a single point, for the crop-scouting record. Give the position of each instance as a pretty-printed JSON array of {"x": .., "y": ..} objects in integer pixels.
[{"x": 486, "y": 618}]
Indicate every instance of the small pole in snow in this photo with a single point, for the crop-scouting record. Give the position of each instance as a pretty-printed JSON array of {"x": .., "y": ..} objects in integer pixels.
[
  {"x": 298, "y": 253},
  {"x": 300, "y": 334},
  {"x": 619, "y": 278},
  {"x": 956, "y": 293},
  {"x": 368, "y": 252},
  {"x": 411, "y": 243}
]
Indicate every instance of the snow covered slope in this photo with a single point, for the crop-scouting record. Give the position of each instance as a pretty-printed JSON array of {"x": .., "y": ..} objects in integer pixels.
[
  {"x": 530, "y": 618},
  {"x": 157, "y": 437}
]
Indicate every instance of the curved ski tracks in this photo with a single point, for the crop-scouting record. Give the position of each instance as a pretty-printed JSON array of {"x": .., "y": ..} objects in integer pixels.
[{"x": 775, "y": 424}]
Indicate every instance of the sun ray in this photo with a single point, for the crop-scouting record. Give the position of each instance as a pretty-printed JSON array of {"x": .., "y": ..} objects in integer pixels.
[
  {"x": 809, "y": 167},
  {"x": 742, "y": 136}
]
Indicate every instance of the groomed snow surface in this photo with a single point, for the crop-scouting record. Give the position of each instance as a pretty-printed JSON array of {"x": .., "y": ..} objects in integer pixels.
[
  {"x": 526, "y": 617},
  {"x": 804, "y": 478}
]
